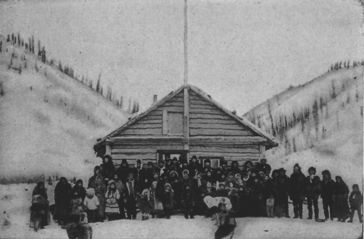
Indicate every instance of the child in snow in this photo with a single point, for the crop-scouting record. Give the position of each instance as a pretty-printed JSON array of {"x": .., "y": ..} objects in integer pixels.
[
  {"x": 76, "y": 205},
  {"x": 188, "y": 201},
  {"x": 157, "y": 206},
  {"x": 145, "y": 205},
  {"x": 167, "y": 200},
  {"x": 226, "y": 223},
  {"x": 270, "y": 206},
  {"x": 112, "y": 197},
  {"x": 91, "y": 204},
  {"x": 356, "y": 200}
]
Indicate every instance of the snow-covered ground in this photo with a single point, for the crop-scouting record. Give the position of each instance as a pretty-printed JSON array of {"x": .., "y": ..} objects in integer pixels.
[
  {"x": 15, "y": 203},
  {"x": 48, "y": 121}
]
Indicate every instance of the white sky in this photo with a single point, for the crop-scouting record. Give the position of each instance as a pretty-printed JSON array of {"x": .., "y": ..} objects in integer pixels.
[{"x": 240, "y": 52}]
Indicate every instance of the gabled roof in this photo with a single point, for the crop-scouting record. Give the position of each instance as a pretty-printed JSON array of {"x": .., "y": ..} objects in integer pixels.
[{"x": 206, "y": 97}]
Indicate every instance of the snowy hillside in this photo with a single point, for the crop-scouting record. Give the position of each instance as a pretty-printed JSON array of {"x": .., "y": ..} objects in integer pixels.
[
  {"x": 48, "y": 121},
  {"x": 318, "y": 123}
]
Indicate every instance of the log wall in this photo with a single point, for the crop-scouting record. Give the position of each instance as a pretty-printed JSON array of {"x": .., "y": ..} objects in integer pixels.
[{"x": 208, "y": 120}]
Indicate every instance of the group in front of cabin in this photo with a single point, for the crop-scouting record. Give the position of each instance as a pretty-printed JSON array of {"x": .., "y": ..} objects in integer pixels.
[{"x": 175, "y": 186}]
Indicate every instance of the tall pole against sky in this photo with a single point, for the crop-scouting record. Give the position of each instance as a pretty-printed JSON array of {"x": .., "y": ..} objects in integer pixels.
[{"x": 185, "y": 45}]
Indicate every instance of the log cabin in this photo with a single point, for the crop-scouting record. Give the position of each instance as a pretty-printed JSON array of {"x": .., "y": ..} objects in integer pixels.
[{"x": 184, "y": 123}]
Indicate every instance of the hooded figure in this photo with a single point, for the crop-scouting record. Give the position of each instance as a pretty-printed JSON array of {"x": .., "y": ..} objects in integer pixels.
[
  {"x": 313, "y": 191},
  {"x": 112, "y": 197},
  {"x": 168, "y": 199},
  {"x": 297, "y": 190},
  {"x": 40, "y": 206},
  {"x": 327, "y": 194},
  {"x": 81, "y": 191},
  {"x": 108, "y": 168},
  {"x": 98, "y": 184},
  {"x": 62, "y": 197},
  {"x": 341, "y": 199},
  {"x": 123, "y": 171}
]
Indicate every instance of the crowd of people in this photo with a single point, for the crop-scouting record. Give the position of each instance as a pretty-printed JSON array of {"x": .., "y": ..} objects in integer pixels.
[{"x": 176, "y": 186}]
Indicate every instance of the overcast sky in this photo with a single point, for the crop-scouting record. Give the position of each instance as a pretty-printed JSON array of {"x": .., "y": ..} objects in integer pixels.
[{"x": 240, "y": 52}]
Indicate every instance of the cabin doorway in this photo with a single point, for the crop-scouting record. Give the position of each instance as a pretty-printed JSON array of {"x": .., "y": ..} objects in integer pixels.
[{"x": 179, "y": 154}]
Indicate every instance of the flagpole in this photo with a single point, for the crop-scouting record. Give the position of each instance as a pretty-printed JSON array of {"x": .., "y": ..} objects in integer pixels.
[{"x": 185, "y": 45}]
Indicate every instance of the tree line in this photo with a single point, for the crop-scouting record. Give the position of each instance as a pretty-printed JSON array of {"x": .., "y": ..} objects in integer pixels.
[{"x": 40, "y": 52}]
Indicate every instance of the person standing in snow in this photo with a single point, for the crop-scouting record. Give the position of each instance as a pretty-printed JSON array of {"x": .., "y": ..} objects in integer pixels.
[
  {"x": 356, "y": 201},
  {"x": 145, "y": 204},
  {"x": 188, "y": 201},
  {"x": 120, "y": 186},
  {"x": 281, "y": 186},
  {"x": 112, "y": 197},
  {"x": 40, "y": 205},
  {"x": 327, "y": 194},
  {"x": 98, "y": 184},
  {"x": 131, "y": 194},
  {"x": 297, "y": 190},
  {"x": 341, "y": 199},
  {"x": 155, "y": 195},
  {"x": 313, "y": 191},
  {"x": 62, "y": 197},
  {"x": 76, "y": 205},
  {"x": 168, "y": 200},
  {"x": 91, "y": 203}
]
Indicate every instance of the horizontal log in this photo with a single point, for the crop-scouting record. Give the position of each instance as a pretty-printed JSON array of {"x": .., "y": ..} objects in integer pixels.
[
  {"x": 216, "y": 154},
  {"x": 247, "y": 149},
  {"x": 200, "y": 116},
  {"x": 227, "y": 140},
  {"x": 172, "y": 109},
  {"x": 218, "y": 132},
  {"x": 154, "y": 131},
  {"x": 150, "y": 146},
  {"x": 150, "y": 121},
  {"x": 144, "y": 126},
  {"x": 207, "y": 125},
  {"x": 214, "y": 121},
  {"x": 141, "y": 150},
  {"x": 133, "y": 156}
]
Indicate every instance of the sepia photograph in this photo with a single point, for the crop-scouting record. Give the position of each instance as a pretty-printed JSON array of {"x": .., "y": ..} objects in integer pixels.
[{"x": 181, "y": 119}]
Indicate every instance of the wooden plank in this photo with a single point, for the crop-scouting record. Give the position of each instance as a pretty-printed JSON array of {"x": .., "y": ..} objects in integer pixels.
[
  {"x": 144, "y": 132},
  {"x": 134, "y": 156},
  {"x": 198, "y": 116},
  {"x": 222, "y": 154},
  {"x": 217, "y": 132},
  {"x": 134, "y": 150},
  {"x": 222, "y": 149},
  {"x": 227, "y": 139},
  {"x": 207, "y": 125},
  {"x": 145, "y": 126}
]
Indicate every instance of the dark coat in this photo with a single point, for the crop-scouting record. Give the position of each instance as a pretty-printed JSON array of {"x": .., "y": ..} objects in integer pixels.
[
  {"x": 108, "y": 170},
  {"x": 356, "y": 199},
  {"x": 63, "y": 195},
  {"x": 328, "y": 190},
  {"x": 123, "y": 172},
  {"x": 313, "y": 187},
  {"x": 81, "y": 191},
  {"x": 297, "y": 185}
]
